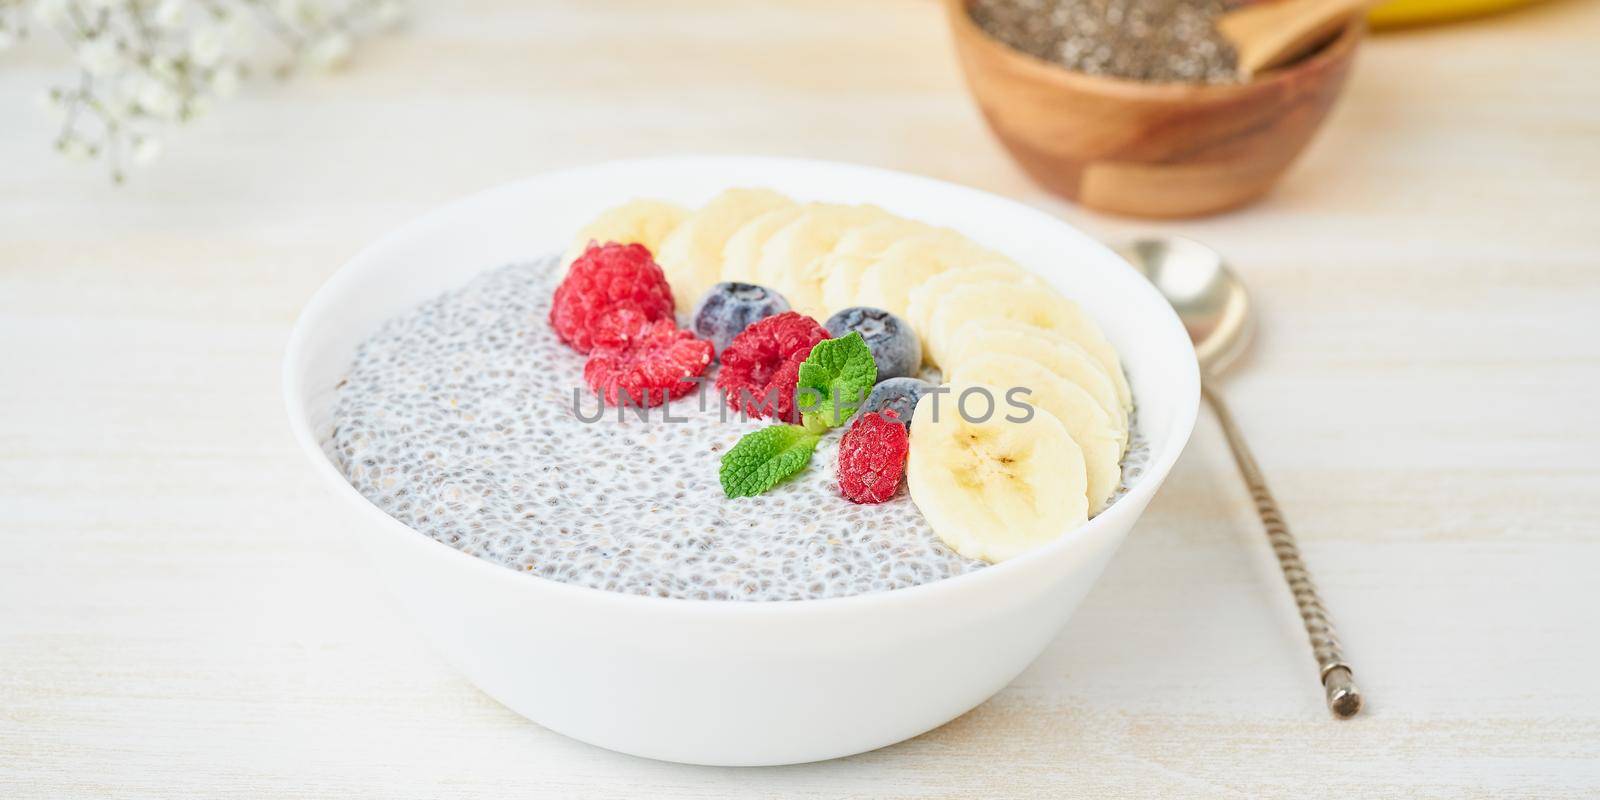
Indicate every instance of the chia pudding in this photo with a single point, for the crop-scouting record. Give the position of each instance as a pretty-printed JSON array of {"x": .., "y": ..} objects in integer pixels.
[{"x": 466, "y": 419}]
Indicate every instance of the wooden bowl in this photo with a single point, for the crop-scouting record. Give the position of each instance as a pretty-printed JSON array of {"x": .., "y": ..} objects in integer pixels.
[{"x": 1149, "y": 149}]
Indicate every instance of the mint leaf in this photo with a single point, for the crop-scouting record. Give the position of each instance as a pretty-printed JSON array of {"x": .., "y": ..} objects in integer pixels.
[
  {"x": 835, "y": 380},
  {"x": 761, "y": 459}
]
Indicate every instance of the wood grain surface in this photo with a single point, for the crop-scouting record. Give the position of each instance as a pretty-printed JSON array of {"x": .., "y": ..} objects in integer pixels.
[{"x": 178, "y": 619}]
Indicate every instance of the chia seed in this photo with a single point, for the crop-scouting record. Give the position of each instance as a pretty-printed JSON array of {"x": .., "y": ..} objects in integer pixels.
[
  {"x": 457, "y": 419},
  {"x": 1156, "y": 41}
]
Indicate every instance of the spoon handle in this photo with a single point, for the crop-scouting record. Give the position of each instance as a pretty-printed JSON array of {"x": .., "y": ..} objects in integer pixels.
[{"x": 1344, "y": 698}]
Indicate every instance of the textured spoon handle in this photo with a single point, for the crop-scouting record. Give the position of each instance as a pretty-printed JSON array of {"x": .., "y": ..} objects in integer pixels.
[{"x": 1344, "y": 698}]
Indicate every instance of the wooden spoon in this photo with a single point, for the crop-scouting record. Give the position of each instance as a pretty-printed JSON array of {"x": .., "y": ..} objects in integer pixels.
[{"x": 1271, "y": 34}]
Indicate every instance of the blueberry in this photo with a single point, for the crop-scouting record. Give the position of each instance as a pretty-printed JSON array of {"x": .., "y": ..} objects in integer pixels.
[
  {"x": 894, "y": 346},
  {"x": 730, "y": 308},
  {"x": 899, "y": 395}
]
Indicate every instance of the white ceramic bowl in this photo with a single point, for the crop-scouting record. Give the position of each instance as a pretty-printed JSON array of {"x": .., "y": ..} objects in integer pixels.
[{"x": 733, "y": 683}]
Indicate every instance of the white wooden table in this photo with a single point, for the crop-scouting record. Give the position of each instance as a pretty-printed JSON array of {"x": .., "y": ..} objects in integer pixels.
[{"x": 178, "y": 618}]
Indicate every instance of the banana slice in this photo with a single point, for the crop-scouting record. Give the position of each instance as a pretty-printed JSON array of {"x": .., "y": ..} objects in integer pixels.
[
  {"x": 645, "y": 222},
  {"x": 856, "y": 250},
  {"x": 1089, "y": 424},
  {"x": 743, "y": 249},
  {"x": 994, "y": 489},
  {"x": 919, "y": 310},
  {"x": 1044, "y": 308},
  {"x": 1056, "y": 353},
  {"x": 888, "y": 282},
  {"x": 791, "y": 259},
  {"x": 692, "y": 254}
]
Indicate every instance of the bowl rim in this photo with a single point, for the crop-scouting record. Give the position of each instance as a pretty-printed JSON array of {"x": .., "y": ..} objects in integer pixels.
[
  {"x": 964, "y": 27},
  {"x": 355, "y": 269}
]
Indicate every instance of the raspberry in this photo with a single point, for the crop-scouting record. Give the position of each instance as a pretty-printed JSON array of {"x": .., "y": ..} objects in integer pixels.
[
  {"x": 761, "y": 366},
  {"x": 604, "y": 277},
  {"x": 872, "y": 457},
  {"x": 649, "y": 366},
  {"x": 619, "y": 324}
]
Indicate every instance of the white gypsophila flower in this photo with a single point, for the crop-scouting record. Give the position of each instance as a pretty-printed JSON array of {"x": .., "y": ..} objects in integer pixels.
[
  {"x": 76, "y": 150},
  {"x": 144, "y": 64},
  {"x": 164, "y": 68},
  {"x": 238, "y": 33},
  {"x": 389, "y": 13},
  {"x": 225, "y": 82},
  {"x": 48, "y": 98},
  {"x": 99, "y": 56},
  {"x": 300, "y": 12},
  {"x": 146, "y": 149},
  {"x": 170, "y": 13},
  {"x": 50, "y": 12},
  {"x": 329, "y": 52},
  {"x": 158, "y": 100},
  {"x": 122, "y": 93},
  {"x": 206, "y": 46}
]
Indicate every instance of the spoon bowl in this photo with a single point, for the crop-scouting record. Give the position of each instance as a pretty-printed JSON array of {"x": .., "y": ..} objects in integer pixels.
[{"x": 1210, "y": 300}]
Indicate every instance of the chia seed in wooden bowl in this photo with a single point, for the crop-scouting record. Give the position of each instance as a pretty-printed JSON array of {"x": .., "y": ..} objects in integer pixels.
[
  {"x": 1157, "y": 41},
  {"x": 1129, "y": 106}
]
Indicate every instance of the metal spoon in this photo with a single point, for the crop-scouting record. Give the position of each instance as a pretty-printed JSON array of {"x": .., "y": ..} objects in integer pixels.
[{"x": 1216, "y": 311}]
